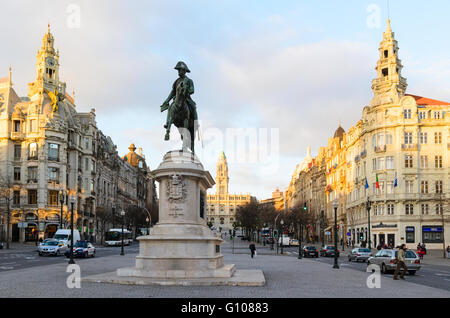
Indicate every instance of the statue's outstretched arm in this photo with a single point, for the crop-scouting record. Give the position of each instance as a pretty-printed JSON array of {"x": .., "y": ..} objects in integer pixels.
[{"x": 165, "y": 105}]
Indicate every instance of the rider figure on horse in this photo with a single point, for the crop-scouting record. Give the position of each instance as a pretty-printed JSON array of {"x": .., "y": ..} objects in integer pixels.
[{"x": 183, "y": 88}]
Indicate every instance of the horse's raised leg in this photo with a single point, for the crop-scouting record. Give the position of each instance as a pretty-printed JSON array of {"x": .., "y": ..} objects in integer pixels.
[
  {"x": 167, "y": 136},
  {"x": 192, "y": 133}
]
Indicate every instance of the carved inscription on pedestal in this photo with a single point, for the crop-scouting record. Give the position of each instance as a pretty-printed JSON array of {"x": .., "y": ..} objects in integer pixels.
[{"x": 176, "y": 194}]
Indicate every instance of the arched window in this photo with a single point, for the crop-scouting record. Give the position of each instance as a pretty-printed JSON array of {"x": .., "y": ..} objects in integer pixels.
[
  {"x": 222, "y": 220},
  {"x": 33, "y": 150}
]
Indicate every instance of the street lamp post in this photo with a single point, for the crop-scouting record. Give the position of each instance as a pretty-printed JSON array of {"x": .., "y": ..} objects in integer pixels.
[
  {"x": 322, "y": 225},
  {"x": 113, "y": 213},
  {"x": 335, "y": 206},
  {"x": 61, "y": 200},
  {"x": 72, "y": 199},
  {"x": 122, "y": 213},
  {"x": 281, "y": 236},
  {"x": 300, "y": 238},
  {"x": 368, "y": 206}
]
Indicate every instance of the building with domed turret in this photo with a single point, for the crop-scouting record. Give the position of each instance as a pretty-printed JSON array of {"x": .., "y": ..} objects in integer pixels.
[
  {"x": 51, "y": 152},
  {"x": 396, "y": 157}
]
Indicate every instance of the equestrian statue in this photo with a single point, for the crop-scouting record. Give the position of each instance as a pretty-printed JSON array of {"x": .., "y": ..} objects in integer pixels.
[{"x": 182, "y": 112}]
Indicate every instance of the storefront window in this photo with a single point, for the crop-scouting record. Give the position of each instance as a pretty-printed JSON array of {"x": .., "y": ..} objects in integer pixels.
[
  {"x": 410, "y": 234},
  {"x": 432, "y": 234}
]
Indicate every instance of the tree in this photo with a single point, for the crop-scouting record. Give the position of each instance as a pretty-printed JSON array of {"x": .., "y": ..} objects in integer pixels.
[
  {"x": 5, "y": 197},
  {"x": 299, "y": 219},
  {"x": 254, "y": 216},
  {"x": 103, "y": 218},
  {"x": 247, "y": 216}
]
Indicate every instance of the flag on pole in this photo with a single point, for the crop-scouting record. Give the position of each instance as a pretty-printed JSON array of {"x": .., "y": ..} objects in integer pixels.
[
  {"x": 367, "y": 184},
  {"x": 395, "y": 182},
  {"x": 378, "y": 183}
]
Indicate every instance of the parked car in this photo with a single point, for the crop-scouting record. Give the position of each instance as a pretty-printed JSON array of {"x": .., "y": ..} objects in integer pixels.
[
  {"x": 386, "y": 259},
  {"x": 294, "y": 242},
  {"x": 328, "y": 251},
  {"x": 359, "y": 254},
  {"x": 270, "y": 240},
  {"x": 52, "y": 247},
  {"x": 82, "y": 249},
  {"x": 310, "y": 251},
  {"x": 43, "y": 242}
]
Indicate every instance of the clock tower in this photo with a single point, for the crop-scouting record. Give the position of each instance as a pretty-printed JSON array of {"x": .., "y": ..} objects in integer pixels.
[
  {"x": 47, "y": 68},
  {"x": 222, "y": 175}
]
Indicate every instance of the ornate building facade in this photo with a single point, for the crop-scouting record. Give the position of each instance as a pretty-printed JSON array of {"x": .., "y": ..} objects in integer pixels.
[
  {"x": 47, "y": 147},
  {"x": 306, "y": 189},
  {"x": 222, "y": 206}
]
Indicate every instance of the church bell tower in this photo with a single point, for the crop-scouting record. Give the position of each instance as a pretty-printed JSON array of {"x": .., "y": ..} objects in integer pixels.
[
  {"x": 47, "y": 68},
  {"x": 389, "y": 86}
]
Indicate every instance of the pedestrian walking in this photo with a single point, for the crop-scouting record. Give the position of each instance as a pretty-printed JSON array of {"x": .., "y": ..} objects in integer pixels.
[
  {"x": 424, "y": 248},
  {"x": 448, "y": 251},
  {"x": 252, "y": 249},
  {"x": 401, "y": 262}
]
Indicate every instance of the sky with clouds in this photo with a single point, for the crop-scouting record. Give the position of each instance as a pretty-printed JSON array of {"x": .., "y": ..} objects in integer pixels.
[{"x": 285, "y": 73}]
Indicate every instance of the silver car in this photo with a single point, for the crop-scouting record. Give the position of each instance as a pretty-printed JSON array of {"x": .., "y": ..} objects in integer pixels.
[
  {"x": 385, "y": 258},
  {"x": 52, "y": 247},
  {"x": 359, "y": 254}
]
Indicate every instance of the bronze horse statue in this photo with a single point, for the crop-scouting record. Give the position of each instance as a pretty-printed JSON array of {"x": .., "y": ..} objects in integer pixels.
[{"x": 182, "y": 111}]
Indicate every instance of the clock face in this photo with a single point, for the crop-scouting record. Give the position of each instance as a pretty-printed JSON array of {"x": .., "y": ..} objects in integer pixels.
[{"x": 50, "y": 61}]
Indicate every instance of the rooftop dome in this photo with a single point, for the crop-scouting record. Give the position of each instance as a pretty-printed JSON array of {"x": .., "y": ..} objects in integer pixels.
[{"x": 339, "y": 132}]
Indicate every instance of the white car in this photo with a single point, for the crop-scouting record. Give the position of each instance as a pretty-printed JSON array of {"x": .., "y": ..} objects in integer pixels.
[{"x": 52, "y": 247}]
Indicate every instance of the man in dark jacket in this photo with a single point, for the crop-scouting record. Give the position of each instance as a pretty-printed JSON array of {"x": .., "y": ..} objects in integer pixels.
[{"x": 252, "y": 248}]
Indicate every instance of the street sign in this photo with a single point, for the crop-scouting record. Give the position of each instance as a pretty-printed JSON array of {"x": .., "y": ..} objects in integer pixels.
[
  {"x": 22, "y": 225},
  {"x": 327, "y": 233},
  {"x": 348, "y": 234}
]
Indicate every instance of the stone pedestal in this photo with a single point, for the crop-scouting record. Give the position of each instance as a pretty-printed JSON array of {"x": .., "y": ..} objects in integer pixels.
[
  {"x": 181, "y": 249},
  {"x": 181, "y": 245}
]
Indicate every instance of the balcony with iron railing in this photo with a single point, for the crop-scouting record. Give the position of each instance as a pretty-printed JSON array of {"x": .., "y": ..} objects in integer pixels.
[
  {"x": 357, "y": 158},
  {"x": 363, "y": 154},
  {"x": 380, "y": 149},
  {"x": 17, "y": 135},
  {"x": 409, "y": 147}
]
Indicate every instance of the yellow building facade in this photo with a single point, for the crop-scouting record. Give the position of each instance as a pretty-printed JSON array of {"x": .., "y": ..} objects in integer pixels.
[{"x": 396, "y": 156}]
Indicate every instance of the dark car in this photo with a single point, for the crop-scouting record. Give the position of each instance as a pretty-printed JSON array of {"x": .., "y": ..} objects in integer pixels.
[
  {"x": 82, "y": 249},
  {"x": 328, "y": 251},
  {"x": 270, "y": 240},
  {"x": 310, "y": 251}
]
